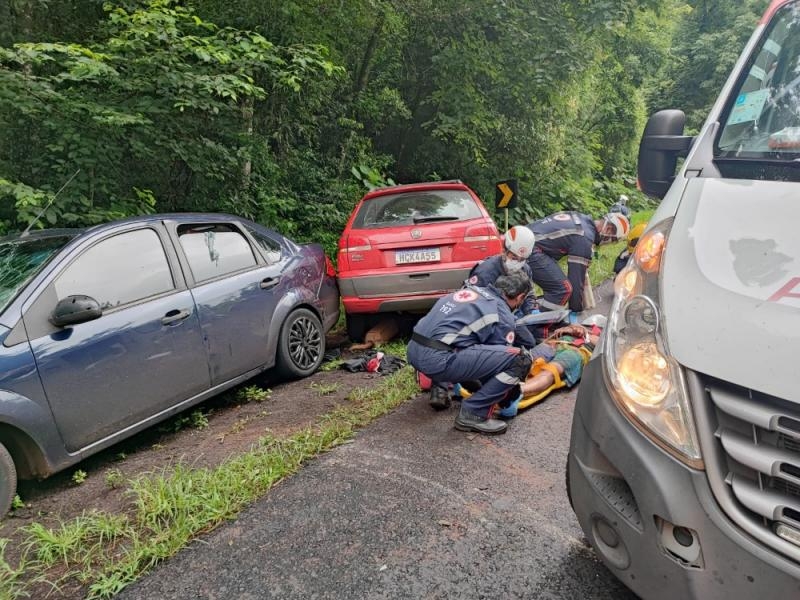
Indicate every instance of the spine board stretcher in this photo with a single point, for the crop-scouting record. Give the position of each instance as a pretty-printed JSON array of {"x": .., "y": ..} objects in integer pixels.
[{"x": 539, "y": 365}]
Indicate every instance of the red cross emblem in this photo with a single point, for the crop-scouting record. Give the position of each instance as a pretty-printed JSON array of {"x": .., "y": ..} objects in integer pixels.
[{"x": 465, "y": 296}]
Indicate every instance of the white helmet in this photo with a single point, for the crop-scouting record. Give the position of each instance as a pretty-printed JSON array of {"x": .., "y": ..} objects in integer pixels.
[
  {"x": 621, "y": 225},
  {"x": 623, "y": 199},
  {"x": 519, "y": 240}
]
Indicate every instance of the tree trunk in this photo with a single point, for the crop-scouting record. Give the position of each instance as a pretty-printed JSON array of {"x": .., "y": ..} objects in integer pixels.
[
  {"x": 248, "y": 112},
  {"x": 362, "y": 75}
]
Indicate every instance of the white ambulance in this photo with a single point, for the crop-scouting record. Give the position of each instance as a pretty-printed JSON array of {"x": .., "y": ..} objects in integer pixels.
[{"x": 684, "y": 463}]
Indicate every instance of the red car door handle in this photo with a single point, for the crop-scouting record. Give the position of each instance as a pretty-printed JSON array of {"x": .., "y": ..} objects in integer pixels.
[
  {"x": 270, "y": 282},
  {"x": 174, "y": 316}
]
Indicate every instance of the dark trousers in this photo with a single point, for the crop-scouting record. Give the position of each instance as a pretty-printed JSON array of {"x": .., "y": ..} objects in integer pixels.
[
  {"x": 498, "y": 368},
  {"x": 549, "y": 276}
]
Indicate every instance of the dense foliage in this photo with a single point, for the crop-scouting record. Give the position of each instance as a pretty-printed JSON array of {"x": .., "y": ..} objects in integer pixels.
[{"x": 283, "y": 110}]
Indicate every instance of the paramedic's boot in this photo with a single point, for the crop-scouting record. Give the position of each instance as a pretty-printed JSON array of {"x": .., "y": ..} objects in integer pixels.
[
  {"x": 467, "y": 421},
  {"x": 440, "y": 399}
]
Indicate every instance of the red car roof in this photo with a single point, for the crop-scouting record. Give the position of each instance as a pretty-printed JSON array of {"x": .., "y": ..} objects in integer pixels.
[
  {"x": 431, "y": 185},
  {"x": 773, "y": 8}
]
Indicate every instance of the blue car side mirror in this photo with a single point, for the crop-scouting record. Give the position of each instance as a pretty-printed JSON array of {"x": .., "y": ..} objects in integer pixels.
[{"x": 75, "y": 309}]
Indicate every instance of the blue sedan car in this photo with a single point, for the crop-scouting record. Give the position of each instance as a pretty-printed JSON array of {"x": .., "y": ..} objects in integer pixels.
[{"x": 105, "y": 331}]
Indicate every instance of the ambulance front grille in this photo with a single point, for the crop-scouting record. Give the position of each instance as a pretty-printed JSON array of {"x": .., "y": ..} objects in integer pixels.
[{"x": 758, "y": 440}]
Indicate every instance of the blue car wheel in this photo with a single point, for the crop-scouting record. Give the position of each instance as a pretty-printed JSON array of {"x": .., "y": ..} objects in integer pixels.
[
  {"x": 8, "y": 481},
  {"x": 301, "y": 345}
]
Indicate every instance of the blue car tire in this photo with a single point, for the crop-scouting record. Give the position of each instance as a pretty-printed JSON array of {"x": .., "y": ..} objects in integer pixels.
[
  {"x": 301, "y": 346},
  {"x": 8, "y": 481}
]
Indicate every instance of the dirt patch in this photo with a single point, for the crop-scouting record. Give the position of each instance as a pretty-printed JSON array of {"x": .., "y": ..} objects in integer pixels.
[{"x": 234, "y": 427}]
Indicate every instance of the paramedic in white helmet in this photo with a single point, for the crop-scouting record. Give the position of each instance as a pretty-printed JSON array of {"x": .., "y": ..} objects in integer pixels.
[
  {"x": 518, "y": 243},
  {"x": 574, "y": 235}
]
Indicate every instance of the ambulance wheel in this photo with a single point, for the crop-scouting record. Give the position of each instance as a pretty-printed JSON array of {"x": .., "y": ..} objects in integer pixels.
[{"x": 569, "y": 490}]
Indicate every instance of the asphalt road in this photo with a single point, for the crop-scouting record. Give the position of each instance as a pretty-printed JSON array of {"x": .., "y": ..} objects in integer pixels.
[{"x": 410, "y": 509}]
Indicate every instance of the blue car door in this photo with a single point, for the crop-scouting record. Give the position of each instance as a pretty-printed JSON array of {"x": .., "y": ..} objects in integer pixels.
[
  {"x": 144, "y": 355},
  {"x": 235, "y": 294}
]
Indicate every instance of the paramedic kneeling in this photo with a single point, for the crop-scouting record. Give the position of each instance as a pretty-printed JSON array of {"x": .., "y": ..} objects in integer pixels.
[{"x": 470, "y": 335}]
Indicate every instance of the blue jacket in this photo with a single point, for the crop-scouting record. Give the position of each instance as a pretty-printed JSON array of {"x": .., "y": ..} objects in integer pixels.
[
  {"x": 571, "y": 234},
  {"x": 486, "y": 272},
  {"x": 565, "y": 234},
  {"x": 473, "y": 315}
]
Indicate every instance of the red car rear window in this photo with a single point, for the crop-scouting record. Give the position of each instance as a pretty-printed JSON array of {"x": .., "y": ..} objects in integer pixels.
[{"x": 410, "y": 208}]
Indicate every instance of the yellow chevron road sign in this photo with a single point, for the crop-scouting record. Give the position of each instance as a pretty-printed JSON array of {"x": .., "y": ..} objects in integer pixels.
[{"x": 506, "y": 194}]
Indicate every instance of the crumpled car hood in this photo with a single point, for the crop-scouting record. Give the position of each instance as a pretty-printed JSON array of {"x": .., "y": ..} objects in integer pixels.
[{"x": 731, "y": 283}]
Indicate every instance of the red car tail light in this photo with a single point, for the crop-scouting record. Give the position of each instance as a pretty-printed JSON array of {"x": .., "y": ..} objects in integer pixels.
[
  {"x": 354, "y": 243},
  {"x": 481, "y": 233},
  {"x": 330, "y": 271}
]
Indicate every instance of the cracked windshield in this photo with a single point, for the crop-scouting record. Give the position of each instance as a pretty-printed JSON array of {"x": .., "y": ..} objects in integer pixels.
[
  {"x": 764, "y": 112},
  {"x": 21, "y": 260}
]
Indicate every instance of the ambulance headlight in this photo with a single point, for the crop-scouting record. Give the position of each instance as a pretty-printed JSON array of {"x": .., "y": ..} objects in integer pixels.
[{"x": 647, "y": 384}]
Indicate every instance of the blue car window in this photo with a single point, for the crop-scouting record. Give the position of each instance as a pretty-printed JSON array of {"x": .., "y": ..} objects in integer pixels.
[
  {"x": 215, "y": 250},
  {"x": 119, "y": 270},
  {"x": 271, "y": 249}
]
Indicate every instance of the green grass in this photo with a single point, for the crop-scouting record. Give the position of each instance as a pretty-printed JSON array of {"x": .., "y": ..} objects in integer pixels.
[
  {"x": 323, "y": 389},
  {"x": 331, "y": 365},
  {"x": 196, "y": 419},
  {"x": 106, "y": 552},
  {"x": 395, "y": 348},
  {"x": 253, "y": 393}
]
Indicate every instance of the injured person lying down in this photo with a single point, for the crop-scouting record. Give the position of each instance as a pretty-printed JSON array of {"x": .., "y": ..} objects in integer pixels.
[{"x": 558, "y": 362}]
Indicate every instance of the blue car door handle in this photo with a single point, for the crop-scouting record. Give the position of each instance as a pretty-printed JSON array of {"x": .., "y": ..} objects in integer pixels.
[
  {"x": 174, "y": 316},
  {"x": 269, "y": 282}
]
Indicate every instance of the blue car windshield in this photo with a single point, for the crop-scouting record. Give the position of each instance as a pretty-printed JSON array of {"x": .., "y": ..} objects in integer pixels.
[{"x": 21, "y": 259}]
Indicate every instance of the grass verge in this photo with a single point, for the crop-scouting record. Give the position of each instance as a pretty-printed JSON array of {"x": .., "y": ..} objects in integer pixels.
[{"x": 103, "y": 553}]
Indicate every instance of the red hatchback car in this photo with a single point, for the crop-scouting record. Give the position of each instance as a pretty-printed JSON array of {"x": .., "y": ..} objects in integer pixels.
[{"x": 406, "y": 246}]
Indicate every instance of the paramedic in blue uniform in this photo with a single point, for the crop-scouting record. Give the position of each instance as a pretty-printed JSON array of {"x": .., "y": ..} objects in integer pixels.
[
  {"x": 517, "y": 246},
  {"x": 472, "y": 335},
  {"x": 518, "y": 243},
  {"x": 574, "y": 235}
]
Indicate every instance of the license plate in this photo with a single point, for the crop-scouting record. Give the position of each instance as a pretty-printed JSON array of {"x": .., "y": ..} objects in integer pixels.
[{"x": 404, "y": 257}]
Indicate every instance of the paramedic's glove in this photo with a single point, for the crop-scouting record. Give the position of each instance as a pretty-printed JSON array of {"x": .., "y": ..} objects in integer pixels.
[{"x": 573, "y": 317}]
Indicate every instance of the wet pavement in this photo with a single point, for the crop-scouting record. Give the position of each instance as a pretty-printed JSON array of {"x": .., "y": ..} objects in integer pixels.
[{"x": 411, "y": 508}]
